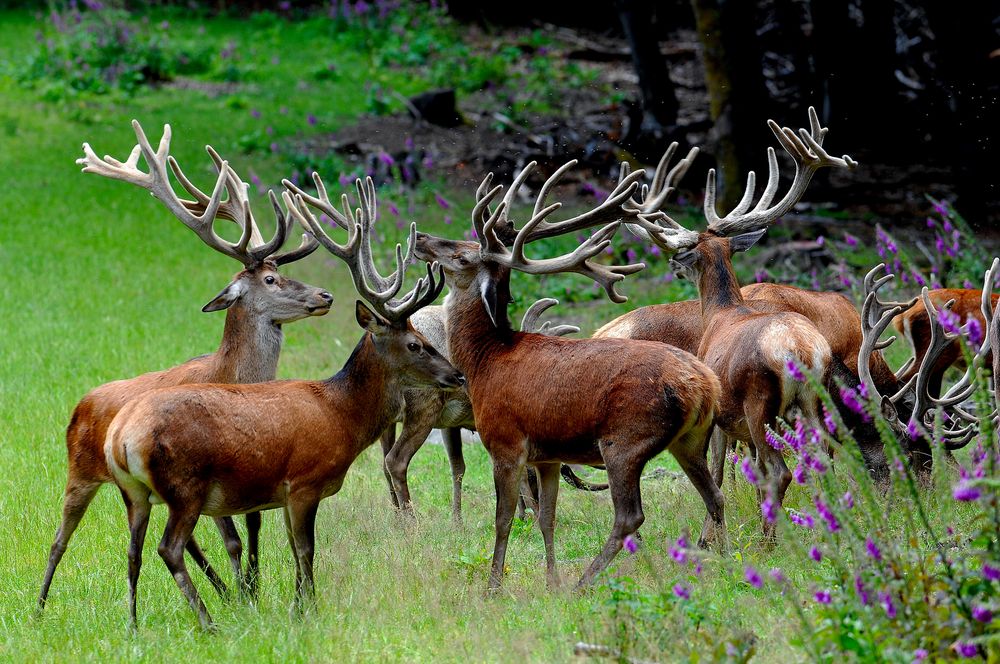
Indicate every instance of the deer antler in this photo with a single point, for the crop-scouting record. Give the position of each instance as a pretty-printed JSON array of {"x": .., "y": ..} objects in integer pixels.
[
  {"x": 487, "y": 223},
  {"x": 380, "y": 292},
  {"x": 530, "y": 321},
  {"x": 199, "y": 215},
  {"x": 649, "y": 219}
]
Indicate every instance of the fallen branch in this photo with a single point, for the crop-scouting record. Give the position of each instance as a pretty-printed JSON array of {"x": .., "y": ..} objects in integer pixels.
[{"x": 593, "y": 650}]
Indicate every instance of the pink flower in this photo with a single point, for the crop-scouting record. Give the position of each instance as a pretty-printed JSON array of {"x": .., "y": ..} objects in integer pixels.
[
  {"x": 769, "y": 509},
  {"x": 630, "y": 544},
  {"x": 873, "y": 550},
  {"x": 753, "y": 577},
  {"x": 748, "y": 472},
  {"x": 682, "y": 591},
  {"x": 990, "y": 572},
  {"x": 982, "y": 614},
  {"x": 816, "y": 554},
  {"x": 823, "y": 597},
  {"x": 794, "y": 371}
]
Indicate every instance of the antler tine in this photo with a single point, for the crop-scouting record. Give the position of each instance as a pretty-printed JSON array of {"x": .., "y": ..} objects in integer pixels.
[
  {"x": 298, "y": 208},
  {"x": 198, "y": 215},
  {"x": 529, "y": 323},
  {"x": 484, "y": 220},
  {"x": 807, "y": 152},
  {"x": 321, "y": 202}
]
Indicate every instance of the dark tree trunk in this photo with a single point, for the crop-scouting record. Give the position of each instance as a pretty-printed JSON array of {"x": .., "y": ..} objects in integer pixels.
[
  {"x": 659, "y": 98},
  {"x": 738, "y": 100}
]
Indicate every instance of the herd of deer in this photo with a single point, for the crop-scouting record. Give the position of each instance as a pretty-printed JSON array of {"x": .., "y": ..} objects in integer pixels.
[{"x": 219, "y": 436}]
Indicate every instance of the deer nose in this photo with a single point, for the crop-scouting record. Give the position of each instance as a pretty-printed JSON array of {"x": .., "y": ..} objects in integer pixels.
[{"x": 326, "y": 297}]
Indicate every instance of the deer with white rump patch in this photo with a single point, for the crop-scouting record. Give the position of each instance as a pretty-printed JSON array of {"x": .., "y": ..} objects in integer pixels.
[
  {"x": 258, "y": 301},
  {"x": 543, "y": 401},
  {"x": 752, "y": 352},
  {"x": 231, "y": 449}
]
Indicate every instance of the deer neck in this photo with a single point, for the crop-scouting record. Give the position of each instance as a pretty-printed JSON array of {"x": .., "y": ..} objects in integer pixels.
[
  {"x": 472, "y": 335},
  {"x": 367, "y": 392},
  {"x": 251, "y": 345},
  {"x": 718, "y": 288}
]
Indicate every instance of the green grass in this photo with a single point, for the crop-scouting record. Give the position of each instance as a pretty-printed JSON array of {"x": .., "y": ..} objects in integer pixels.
[{"x": 102, "y": 284}]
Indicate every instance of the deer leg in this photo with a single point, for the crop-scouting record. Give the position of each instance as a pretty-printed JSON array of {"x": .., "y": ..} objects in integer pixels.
[
  {"x": 548, "y": 489},
  {"x": 624, "y": 471},
  {"x": 180, "y": 525},
  {"x": 138, "y": 507},
  {"x": 718, "y": 446},
  {"x": 416, "y": 428},
  {"x": 690, "y": 454},
  {"x": 252, "y": 576},
  {"x": 201, "y": 561},
  {"x": 76, "y": 499},
  {"x": 388, "y": 439},
  {"x": 506, "y": 479},
  {"x": 291, "y": 545},
  {"x": 529, "y": 491},
  {"x": 453, "y": 446},
  {"x": 234, "y": 547},
  {"x": 302, "y": 522}
]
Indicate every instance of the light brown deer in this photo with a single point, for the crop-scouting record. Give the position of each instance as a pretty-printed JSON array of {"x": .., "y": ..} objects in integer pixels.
[
  {"x": 920, "y": 395},
  {"x": 752, "y": 349},
  {"x": 258, "y": 301},
  {"x": 914, "y": 324},
  {"x": 230, "y": 449},
  {"x": 543, "y": 401}
]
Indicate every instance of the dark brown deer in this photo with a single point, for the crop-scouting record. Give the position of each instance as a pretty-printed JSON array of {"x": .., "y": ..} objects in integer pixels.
[
  {"x": 231, "y": 449},
  {"x": 258, "y": 301},
  {"x": 543, "y": 401},
  {"x": 750, "y": 348}
]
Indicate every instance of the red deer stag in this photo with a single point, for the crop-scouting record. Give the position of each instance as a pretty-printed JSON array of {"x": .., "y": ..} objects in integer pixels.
[
  {"x": 430, "y": 408},
  {"x": 752, "y": 350},
  {"x": 543, "y": 401},
  {"x": 231, "y": 449},
  {"x": 258, "y": 300}
]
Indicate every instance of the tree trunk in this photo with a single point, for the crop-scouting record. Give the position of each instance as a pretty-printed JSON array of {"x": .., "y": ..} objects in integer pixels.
[
  {"x": 659, "y": 99},
  {"x": 738, "y": 100}
]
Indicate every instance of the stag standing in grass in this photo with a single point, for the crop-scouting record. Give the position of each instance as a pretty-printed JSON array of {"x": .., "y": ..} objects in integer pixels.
[
  {"x": 258, "y": 301},
  {"x": 232, "y": 449},
  {"x": 755, "y": 353},
  {"x": 543, "y": 401},
  {"x": 429, "y": 408}
]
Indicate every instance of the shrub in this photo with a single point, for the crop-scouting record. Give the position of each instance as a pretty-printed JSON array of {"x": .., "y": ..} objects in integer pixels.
[{"x": 98, "y": 47}]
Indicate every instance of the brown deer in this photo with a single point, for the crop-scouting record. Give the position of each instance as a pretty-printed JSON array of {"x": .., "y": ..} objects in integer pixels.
[
  {"x": 914, "y": 324},
  {"x": 258, "y": 301},
  {"x": 752, "y": 350},
  {"x": 921, "y": 396},
  {"x": 231, "y": 449},
  {"x": 543, "y": 401}
]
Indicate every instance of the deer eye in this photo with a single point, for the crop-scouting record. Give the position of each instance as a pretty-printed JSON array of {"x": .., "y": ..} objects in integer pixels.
[
  {"x": 269, "y": 280},
  {"x": 413, "y": 346},
  {"x": 462, "y": 260}
]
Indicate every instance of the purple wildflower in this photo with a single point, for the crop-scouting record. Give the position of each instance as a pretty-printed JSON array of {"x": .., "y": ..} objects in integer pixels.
[
  {"x": 748, "y": 472},
  {"x": 966, "y": 492},
  {"x": 273, "y": 147},
  {"x": 804, "y": 519},
  {"x": 776, "y": 575},
  {"x": 982, "y": 614},
  {"x": 800, "y": 474},
  {"x": 311, "y": 119},
  {"x": 920, "y": 655},
  {"x": 991, "y": 572},
  {"x": 794, "y": 371},
  {"x": 948, "y": 320},
  {"x": 753, "y": 577},
  {"x": 255, "y": 114},
  {"x": 816, "y": 554},
  {"x": 773, "y": 440},
  {"x": 630, "y": 544},
  {"x": 975, "y": 331},
  {"x": 829, "y": 517},
  {"x": 847, "y": 500},
  {"x": 873, "y": 550},
  {"x": 850, "y": 240},
  {"x": 850, "y": 399},
  {"x": 386, "y": 158},
  {"x": 447, "y": 218},
  {"x": 966, "y": 649},
  {"x": 823, "y": 596},
  {"x": 441, "y": 201},
  {"x": 393, "y": 210},
  {"x": 863, "y": 391},
  {"x": 912, "y": 430},
  {"x": 682, "y": 591},
  {"x": 828, "y": 421},
  {"x": 885, "y": 599},
  {"x": 345, "y": 180},
  {"x": 968, "y": 284},
  {"x": 697, "y": 568},
  {"x": 677, "y": 550},
  {"x": 859, "y": 588},
  {"x": 769, "y": 509}
]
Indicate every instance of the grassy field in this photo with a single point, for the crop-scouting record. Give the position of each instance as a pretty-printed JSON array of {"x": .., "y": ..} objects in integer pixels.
[{"x": 103, "y": 284}]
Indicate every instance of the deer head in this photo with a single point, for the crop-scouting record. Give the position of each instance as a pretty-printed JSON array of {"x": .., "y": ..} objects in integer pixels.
[{"x": 258, "y": 289}]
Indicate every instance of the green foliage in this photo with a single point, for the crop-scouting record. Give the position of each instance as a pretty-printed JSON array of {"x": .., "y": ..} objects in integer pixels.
[{"x": 103, "y": 48}]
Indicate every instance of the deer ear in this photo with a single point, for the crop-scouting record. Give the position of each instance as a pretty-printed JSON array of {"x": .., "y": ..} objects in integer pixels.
[
  {"x": 369, "y": 320},
  {"x": 226, "y": 298},
  {"x": 685, "y": 259},
  {"x": 745, "y": 241},
  {"x": 488, "y": 294}
]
